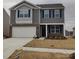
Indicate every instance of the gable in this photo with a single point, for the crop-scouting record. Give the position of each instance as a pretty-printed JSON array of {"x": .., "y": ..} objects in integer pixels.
[
  {"x": 24, "y": 6},
  {"x": 24, "y": 3}
]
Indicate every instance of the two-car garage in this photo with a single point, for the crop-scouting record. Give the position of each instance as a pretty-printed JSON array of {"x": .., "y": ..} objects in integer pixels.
[{"x": 23, "y": 31}]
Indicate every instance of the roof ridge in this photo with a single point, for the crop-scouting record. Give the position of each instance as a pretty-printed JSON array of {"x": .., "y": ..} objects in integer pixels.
[{"x": 49, "y": 4}]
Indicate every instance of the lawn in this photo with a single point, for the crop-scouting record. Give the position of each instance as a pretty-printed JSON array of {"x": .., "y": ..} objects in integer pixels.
[
  {"x": 37, "y": 55},
  {"x": 63, "y": 44}
]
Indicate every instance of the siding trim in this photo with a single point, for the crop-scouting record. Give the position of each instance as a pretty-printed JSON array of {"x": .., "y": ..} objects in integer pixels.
[{"x": 52, "y": 23}]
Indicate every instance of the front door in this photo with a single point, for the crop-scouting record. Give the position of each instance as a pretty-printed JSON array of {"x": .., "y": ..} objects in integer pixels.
[{"x": 43, "y": 30}]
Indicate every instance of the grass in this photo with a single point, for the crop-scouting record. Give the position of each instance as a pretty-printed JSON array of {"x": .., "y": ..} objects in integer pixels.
[
  {"x": 63, "y": 44},
  {"x": 37, "y": 55}
]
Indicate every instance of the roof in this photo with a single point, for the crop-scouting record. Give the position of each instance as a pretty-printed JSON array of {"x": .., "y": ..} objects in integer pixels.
[
  {"x": 50, "y": 5},
  {"x": 39, "y": 5},
  {"x": 33, "y": 5}
]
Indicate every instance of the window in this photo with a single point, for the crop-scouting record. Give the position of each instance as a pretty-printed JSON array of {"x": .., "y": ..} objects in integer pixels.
[
  {"x": 57, "y": 13},
  {"x": 23, "y": 13},
  {"x": 46, "y": 13},
  {"x": 57, "y": 29},
  {"x": 51, "y": 13},
  {"x": 52, "y": 29}
]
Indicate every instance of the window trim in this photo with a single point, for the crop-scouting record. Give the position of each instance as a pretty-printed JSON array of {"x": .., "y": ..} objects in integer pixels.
[
  {"x": 46, "y": 13},
  {"x": 56, "y": 13},
  {"x": 18, "y": 14}
]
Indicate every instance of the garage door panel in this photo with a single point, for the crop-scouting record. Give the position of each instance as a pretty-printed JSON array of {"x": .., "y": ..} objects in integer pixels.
[{"x": 23, "y": 31}]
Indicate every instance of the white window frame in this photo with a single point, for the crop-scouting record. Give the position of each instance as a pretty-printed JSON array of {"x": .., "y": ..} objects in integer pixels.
[
  {"x": 58, "y": 29},
  {"x": 55, "y": 29},
  {"x": 24, "y": 20},
  {"x": 46, "y": 12},
  {"x": 23, "y": 12},
  {"x": 56, "y": 11}
]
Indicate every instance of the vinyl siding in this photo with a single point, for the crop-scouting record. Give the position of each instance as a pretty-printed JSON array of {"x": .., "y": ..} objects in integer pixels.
[
  {"x": 35, "y": 16},
  {"x": 6, "y": 24},
  {"x": 13, "y": 16},
  {"x": 53, "y": 20}
]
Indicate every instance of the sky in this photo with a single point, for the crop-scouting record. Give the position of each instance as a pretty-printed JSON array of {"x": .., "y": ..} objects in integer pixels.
[{"x": 68, "y": 4}]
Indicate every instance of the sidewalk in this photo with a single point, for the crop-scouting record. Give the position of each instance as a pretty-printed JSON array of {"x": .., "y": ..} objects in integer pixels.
[
  {"x": 65, "y": 51},
  {"x": 11, "y": 44}
]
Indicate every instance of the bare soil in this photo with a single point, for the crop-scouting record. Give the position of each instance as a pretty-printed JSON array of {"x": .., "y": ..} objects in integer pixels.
[
  {"x": 37, "y": 55},
  {"x": 63, "y": 44}
]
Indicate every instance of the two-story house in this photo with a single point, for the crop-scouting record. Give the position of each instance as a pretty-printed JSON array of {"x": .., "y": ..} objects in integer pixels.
[{"x": 29, "y": 20}]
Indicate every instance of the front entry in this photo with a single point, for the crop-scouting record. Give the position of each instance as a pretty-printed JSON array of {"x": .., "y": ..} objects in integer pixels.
[{"x": 43, "y": 30}]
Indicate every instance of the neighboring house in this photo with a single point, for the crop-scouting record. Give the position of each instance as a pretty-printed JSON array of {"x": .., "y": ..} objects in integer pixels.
[
  {"x": 29, "y": 20},
  {"x": 6, "y": 24}
]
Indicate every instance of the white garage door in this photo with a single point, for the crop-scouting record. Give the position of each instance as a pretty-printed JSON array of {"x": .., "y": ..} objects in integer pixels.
[{"x": 23, "y": 31}]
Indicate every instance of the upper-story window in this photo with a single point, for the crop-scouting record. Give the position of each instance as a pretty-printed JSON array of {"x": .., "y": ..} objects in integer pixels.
[
  {"x": 46, "y": 13},
  {"x": 57, "y": 13},
  {"x": 51, "y": 13},
  {"x": 23, "y": 13}
]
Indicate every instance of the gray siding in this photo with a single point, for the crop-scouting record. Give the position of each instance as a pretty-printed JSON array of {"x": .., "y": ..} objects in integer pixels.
[
  {"x": 13, "y": 15},
  {"x": 36, "y": 21},
  {"x": 35, "y": 16},
  {"x": 6, "y": 24},
  {"x": 53, "y": 20}
]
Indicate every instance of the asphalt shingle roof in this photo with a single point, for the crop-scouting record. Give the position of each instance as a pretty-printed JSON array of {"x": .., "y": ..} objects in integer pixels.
[{"x": 50, "y": 5}]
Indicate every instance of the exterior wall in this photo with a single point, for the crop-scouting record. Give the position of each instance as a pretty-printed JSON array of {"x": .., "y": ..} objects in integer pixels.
[
  {"x": 53, "y": 20},
  {"x": 24, "y": 20},
  {"x": 6, "y": 24},
  {"x": 38, "y": 30},
  {"x": 35, "y": 16},
  {"x": 12, "y": 17}
]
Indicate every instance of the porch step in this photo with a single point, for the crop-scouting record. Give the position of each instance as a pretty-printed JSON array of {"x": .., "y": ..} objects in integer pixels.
[{"x": 42, "y": 38}]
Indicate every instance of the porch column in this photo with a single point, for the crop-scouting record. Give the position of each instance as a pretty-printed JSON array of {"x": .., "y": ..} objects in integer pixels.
[
  {"x": 46, "y": 31},
  {"x": 64, "y": 29}
]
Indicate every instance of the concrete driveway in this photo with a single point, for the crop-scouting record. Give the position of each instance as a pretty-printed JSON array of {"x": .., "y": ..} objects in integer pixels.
[{"x": 11, "y": 44}]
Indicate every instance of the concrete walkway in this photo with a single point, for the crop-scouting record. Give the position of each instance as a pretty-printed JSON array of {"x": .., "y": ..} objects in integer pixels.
[
  {"x": 65, "y": 51},
  {"x": 11, "y": 44}
]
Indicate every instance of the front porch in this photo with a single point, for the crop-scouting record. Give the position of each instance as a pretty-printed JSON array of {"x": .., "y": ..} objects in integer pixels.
[{"x": 46, "y": 30}]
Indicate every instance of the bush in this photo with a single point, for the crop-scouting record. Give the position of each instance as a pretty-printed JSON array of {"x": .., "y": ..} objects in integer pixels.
[{"x": 56, "y": 36}]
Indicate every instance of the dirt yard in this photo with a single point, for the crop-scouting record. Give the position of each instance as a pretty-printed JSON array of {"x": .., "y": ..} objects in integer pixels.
[
  {"x": 37, "y": 55},
  {"x": 65, "y": 44}
]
